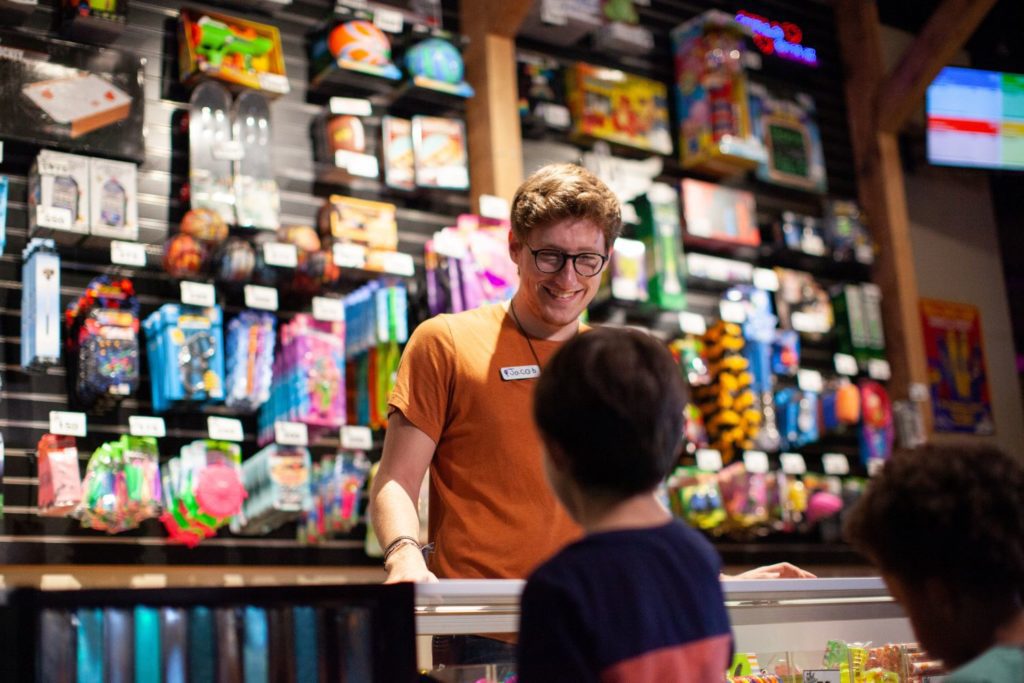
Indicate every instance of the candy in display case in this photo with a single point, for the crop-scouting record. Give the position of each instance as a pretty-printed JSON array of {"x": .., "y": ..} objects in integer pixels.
[
  {"x": 609, "y": 104},
  {"x": 70, "y": 96},
  {"x": 231, "y": 49}
]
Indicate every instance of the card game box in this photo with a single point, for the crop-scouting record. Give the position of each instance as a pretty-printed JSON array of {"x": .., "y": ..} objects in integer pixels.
[{"x": 439, "y": 147}]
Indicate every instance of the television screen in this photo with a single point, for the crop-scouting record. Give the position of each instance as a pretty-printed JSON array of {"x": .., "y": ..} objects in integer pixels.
[{"x": 976, "y": 118}]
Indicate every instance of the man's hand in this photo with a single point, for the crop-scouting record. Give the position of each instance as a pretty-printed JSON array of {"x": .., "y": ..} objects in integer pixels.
[
  {"x": 406, "y": 564},
  {"x": 781, "y": 570}
]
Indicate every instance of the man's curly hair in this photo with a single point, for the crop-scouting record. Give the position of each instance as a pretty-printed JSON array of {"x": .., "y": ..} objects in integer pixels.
[
  {"x": 565, "y": 191},
  {"x": 952, "y": 513}
]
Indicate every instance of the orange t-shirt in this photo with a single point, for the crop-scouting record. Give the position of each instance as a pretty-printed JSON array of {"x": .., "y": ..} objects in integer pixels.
[{"x": 492, "y": 513}]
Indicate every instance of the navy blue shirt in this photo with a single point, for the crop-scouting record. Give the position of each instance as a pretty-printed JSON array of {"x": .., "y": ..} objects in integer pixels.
[{"x": 631, "y": 605}]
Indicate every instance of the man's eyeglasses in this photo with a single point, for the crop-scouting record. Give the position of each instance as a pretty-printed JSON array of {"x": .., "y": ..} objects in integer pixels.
[{"x": 586, "y": 264}]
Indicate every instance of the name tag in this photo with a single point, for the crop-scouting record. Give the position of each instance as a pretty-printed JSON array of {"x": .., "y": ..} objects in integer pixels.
[{"x": 520, "y": 372}]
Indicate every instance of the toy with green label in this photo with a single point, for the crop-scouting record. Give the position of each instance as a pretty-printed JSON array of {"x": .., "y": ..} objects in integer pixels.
[
  {"x": 788, "y": 129},
  {"x": 661, "y": 232}
]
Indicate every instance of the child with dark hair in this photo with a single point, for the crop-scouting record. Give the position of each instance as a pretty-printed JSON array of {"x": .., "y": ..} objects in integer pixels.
[
  {"x": 945, "y": 526},
  {"x": 638, "y": 598}
]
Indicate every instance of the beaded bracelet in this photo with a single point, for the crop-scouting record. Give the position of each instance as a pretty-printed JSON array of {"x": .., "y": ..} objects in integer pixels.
[{"x": 398, "y": 543}]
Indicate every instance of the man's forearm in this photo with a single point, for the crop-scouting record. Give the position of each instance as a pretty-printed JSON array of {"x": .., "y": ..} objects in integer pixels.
[{"x": 394, "y": 515}]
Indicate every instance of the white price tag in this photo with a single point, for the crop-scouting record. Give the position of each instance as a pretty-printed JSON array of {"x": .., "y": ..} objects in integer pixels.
[
  {"x": 388, "y": 20},
  {"x": 224, "y": 428},
  {"x": 879, "y": 370},
  {"x": 291, "y": 434},
  {"x": 356, "y": 438},
  {"x": 766, "y": 279},
  {"x": 813, "y": 245},
  {"x": 494, "y": 207},
  {"x": 732, "y": 311},
  {"x": 141, "y": 425},
  {"x": 555, "y": 115},
  {"x": 1, "y": 151},
  {"x": 845, "y": 364},
  {"x": 280, "y": 254},
  {"x": 709, "y": 460},
  {"x": 263, "y": 298},
  {"x": 274, "y": 82},
  {"x": 865, "y": 254},
  {"x": 198, "y": 293},
  {"x": 810, "y": 380},
  {"x": 875, "y": 466},
  {"x": 835, "y": 463},
  {"x": 918, "y": 392},
  {"x": 397, "y": 263},
  {"x": 127, "y": 254},
  {"x": 756, "y": 462},
  {"x": 228, "y": 150},
  {"x": 351, "y": 106},
  {"x": 328, "y": 309},
  {"x": 449, "y": 243},
  {"x": 53, "y": 164},
  {"x": 53, "y": 217},
  {"x": 349, "y": 256},
  {"x": 67, "y": 424},
  {"x": 362, "y": 165},
  {"x": 793, "y": 463},
  {"x": 455, "y": 178},
  {"x": 692, "y": 323}
]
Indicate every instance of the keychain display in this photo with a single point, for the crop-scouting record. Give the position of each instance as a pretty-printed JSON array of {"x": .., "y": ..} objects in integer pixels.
[
  {"x": 103, "y": 343},
  {"x": 122, "y": 486},
  {"x": 250, "y": 359},
  {"x": 60, "y": 485},
  {"x": 202, "y": 490},
  {"x": 338, "y": 485},
  {"x": 278, "y": 482},
  {"x": 40, "y": 305},
  {"x": 185, "y": 348}
]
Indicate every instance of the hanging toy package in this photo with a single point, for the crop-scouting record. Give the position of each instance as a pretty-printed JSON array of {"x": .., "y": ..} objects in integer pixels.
[
  {"x": 122, "y": 485},
  {"x": 203, "y": 490},
  {"x": 277, "y": 479},
  {"x": 250, "y": 352},
  {"x": 60, "y": 486}
]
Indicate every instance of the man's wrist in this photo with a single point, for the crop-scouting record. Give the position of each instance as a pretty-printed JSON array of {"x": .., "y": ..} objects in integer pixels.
[{"x": 403, "y": 554}]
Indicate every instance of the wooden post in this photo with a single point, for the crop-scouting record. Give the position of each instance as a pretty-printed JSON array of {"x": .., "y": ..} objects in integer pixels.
[
  {"x": 878, "y": 107},
  {"x": 492, "y": 115}
]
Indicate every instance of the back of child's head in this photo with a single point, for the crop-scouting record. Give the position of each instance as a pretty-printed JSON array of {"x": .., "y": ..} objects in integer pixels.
[
  {"x": 612, "y": 401},
  {"x": 953, "y": 513}
]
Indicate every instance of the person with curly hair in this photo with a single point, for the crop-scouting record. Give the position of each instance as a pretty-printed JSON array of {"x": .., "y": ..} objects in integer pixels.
[{"x": 945, "y": 527}]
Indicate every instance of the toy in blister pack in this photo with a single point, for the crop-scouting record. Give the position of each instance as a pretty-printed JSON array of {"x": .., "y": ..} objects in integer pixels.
[
  {"x": 439, "y": 148},
  {"x": 803, "y": 304},
  {"x": 715, "y": 131},
  {"x": 40, "y": 305},
  {"x": 202, "y": 490},
  {"x": 122, "y": 485},
  {"x": 719, "y": 214},
  {"x": 626, "y": 273},
  {"x": 786, "y": 352},
  {"x": 695, "y": 498},
  {"x": 398, "y": 155},
  {"x": 690, "y": 353},
  {"x": 58, "y": 196},
  {"x": 250, "y": 358},
  {"x": 788, "y": 128},
  {"x": 357, "y": 45},
  {"x": 846, "y": 233},
  {"x": 360, "y": 221},
  {"x": 231, "y": 49},
  {"x": 541, "y": 84},
  {"x": 60, "y": 487},
  {"x": 745, "y": 498},
  {"x": 436, "y": 64},
  {"x": 278, "y": 482},
  {"x": 103, "y": 343},
  {"x": 338, "y": 483},
  {"x": 797, "y": 232},
  {"x": 113, "y": 199},
  {"x": 185, "y": 348},
  {"x": 661, "y": 234},
  {"x": 859, "y": 321},
  {"x": 759, "y": 336},
  {"x": 797, "y": 413},
  {"x": 257, "y": 198},
  {"x": 608, "y": 104},
  {"x": 876, "y": 431},
  {"x": 468, "y": 266}
]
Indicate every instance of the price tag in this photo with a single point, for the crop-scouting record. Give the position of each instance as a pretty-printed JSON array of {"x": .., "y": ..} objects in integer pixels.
[
  {"x": 865, "y": 254},
  {"x": 835, "y": 463},
  {"x": 494, "y": 207},
  {"x": 67, "y": 424},
  {"x": 793, "y": 463},
  {"x": 228, "y": 150},
  {"x": 263, "y": 298},
  {"x": 349, "y": 256},
  {"x": 813, "y": 245},
  {"x": 198, "y": 293},
  {"x": 388, "y": 20},
  {"x": 555, "y": 115},
  {"x": 362, "y": 165},
  {"x": 709, "y": 460},
  {"x": 352, "y": 106},
  {"x": 918, "y": 392},
  {"x": 356, "y": 438},
  {"x": 692, "y": 323},
  {"x": 280, "y": 254},
  {"x": 879, "y": 370},
  {"x": 328, "y": 309},
  {"x": 449, "y": 243},
  {"x": 51, "y": 164},
  {"x": 53, "y": 217},
  {"x": 453, "y": 178},
  {"x": 127, "y": 254},
  {"x": 291, "y": 434},
  {"x": 766, "y": 279},
  {"x": 756, "y": 462},
  {"x": 273, "y": 82},
  {"x": 875, "y": 466},
  {"x": 732, "y": 311},
  {"x": 845, "y": 364},
  {"x": 810, "y": 380},
  {"x": 397, "y": 263},
  {"x": 224, "y": 428},
  {"x": 140, "y": 425}
]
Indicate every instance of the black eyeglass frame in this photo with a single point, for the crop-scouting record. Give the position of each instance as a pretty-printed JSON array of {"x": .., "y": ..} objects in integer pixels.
[{"x": 566, "y": 256}]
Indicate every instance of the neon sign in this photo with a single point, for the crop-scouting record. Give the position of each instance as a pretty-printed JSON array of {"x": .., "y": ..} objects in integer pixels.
[{"x": 781, "y": 38}]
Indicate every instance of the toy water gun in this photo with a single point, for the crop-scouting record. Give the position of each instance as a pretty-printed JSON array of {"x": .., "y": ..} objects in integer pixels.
[{"x": 216, "y": 40}]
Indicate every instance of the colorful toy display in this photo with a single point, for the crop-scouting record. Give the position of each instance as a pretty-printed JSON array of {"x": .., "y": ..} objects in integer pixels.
[
  {"x": 788, "y": 129},
  {"x": 846, "y": 233},
  {"x": 277, "y": 480},
  {"x": 122, "y": 485},
  {"x": 468, "y": 266},
  {"x": 876, "y": 433},
  {"x": 250, "y": 358},
  {"x": 661, "y": 234},
  {"x": 719, "y": 214},
  {"x": 338, "y": 482},
  {"x": 439, "y": 146},
  {"x": 356, "y": 45},
  {"x": 436, "y": 63},
  {"x": 398, "y": 154},
  {"x": 60, "y": 486},
  {"x": 230, "y": 49},
  {"x": 803, "y": 304},
  {"x": 185, "y": 348},
  {"x": 40, "y": 305},
  {"x": 541, "y": 92},
  {"x": 103, "y": 343},
  {"x": 612, "y": 105},
  {"x": 715, "y": 130},
  {"x": 728, "y": 404},
  {"x": 202, "y": 490},
  {"x": 257, "y": 198},
  {"x": 626, "y": 274}
]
